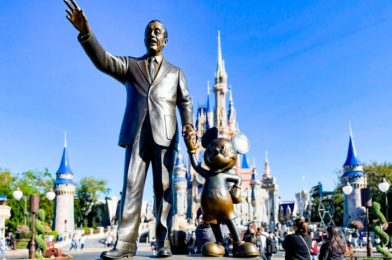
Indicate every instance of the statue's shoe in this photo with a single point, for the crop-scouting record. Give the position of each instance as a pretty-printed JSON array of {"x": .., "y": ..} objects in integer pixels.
[
  {"x": 164, "y": 252},
  {"x": 213, "y": 249},
  {"x": 245, "y": 249},
  {"x": 116, "y": 254}
]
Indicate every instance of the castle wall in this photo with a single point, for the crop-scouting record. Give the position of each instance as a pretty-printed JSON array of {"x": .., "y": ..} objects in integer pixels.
[{"x": 64, "y": 221}]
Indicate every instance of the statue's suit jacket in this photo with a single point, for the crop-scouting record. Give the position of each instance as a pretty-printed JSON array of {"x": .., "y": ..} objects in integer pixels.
[{"x": 159, "y": 97}]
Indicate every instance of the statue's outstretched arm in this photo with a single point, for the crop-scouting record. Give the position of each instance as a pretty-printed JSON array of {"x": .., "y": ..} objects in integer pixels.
[
  {"x": 115, "y": 66},
  {"x": 203, "y": 172}
]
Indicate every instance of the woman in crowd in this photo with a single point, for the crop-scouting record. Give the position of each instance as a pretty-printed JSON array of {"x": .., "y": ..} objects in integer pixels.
[
  {"x": 297, "y": 245},
  {"x": 334, "y": 247}
]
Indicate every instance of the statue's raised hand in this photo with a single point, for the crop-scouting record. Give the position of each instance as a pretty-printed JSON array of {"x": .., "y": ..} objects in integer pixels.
[{"x": 76, "y": 17}]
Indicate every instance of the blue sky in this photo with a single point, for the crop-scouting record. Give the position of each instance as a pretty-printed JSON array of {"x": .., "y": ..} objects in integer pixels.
[{"x": 300, "y": 71}]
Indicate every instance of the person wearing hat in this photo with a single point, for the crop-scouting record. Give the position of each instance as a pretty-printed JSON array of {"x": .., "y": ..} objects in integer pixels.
[{"x": 297, "y": 246}]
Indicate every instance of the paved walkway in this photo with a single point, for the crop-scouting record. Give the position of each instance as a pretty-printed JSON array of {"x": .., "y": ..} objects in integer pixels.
[{"x": 94, "y": 247}]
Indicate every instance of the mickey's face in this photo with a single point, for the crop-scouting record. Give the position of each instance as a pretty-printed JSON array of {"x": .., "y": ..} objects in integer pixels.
[{"x": 220, "y": 155}]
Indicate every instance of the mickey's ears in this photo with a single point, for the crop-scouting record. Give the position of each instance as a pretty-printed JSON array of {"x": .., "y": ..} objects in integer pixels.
[
  {"x": 240, "y": 143},
  {"x": 208, "y": 136}
]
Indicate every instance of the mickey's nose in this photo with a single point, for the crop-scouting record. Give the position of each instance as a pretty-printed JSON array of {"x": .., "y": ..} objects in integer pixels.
[{"x": 216, "y": 151}]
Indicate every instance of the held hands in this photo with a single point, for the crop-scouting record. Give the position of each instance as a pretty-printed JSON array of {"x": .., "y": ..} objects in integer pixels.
[
  {"x": 76, "y": 17},
  {"x": 190, "y": 138}
]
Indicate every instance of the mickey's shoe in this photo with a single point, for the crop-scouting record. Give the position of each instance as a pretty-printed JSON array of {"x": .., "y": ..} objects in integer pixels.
[
  {"x": 245, "y": 249},
  {"x": 213, "y": 249}
]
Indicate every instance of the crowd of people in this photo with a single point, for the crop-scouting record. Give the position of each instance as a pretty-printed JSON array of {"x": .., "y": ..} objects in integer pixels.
[{"x": 299, "y": 242}]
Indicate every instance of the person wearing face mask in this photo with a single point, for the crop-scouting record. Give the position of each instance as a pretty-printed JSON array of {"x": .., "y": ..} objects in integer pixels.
[{"x": 297, "y": 245}]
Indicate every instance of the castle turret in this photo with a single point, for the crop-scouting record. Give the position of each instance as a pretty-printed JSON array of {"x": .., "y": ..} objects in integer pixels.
[
  {"x": 200, "y": 121},
  {"x": 64, "y": 188},
  {"x": 232, "y": 117},
  {"x": 255, "y": 196},
  {"x": 209, "y": 112},
  {"x": 220, "y": 89},
  {"x": 180, "y": 185},
  {"x": 354, "y": 175},
  {"x": 270, "y": 185},
  {"x": 267, "y": 168}
]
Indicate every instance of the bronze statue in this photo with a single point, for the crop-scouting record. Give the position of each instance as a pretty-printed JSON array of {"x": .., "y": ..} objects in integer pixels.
[
  {"x": 149, "y": 129},
  {"x": 216, "y": 199}
]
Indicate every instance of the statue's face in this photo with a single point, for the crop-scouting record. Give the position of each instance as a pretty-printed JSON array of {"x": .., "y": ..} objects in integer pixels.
[
  {"x": 220, "y": 155},
  {"x": 154, "y": 38}
]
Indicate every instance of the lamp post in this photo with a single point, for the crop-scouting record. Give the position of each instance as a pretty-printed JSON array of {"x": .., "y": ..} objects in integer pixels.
[
  {"x": 383, "y": 186},
  {"x": 34, "y": 207}
]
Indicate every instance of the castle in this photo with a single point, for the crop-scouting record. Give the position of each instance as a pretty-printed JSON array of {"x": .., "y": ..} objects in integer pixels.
[
  {"x": 259, "y": 196},
  {"x": 65, "y": 188},
  {"x": 353, "y": 175}
]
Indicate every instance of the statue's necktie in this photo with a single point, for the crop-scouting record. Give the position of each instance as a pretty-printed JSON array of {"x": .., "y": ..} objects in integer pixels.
[{"x": 151, "y": 67}]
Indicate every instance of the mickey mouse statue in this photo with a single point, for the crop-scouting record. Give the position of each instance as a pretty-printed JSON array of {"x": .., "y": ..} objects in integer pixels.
[{"x": 217, "y": 199}]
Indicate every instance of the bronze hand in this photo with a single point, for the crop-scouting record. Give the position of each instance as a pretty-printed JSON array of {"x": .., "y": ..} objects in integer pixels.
[
  {"x": 190, "y": 138},
  {"x": 76, "y": 17}
]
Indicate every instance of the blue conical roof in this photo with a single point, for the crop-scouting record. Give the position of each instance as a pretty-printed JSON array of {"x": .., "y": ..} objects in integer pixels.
[
  {"x": 179, "y": 159},
  {"x": 352, "y": 167},
  {"x": 64, "y": 165},
  {"x": 352, "y": 158},
  {"x": 244, "y": 163},
  {"x": 64, "y": 173}
]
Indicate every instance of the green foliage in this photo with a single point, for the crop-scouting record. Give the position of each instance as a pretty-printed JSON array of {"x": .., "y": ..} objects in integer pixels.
[
  {"x": 41, "y": 214},
  {"x": 22, "y": 243},
  {"x": 29, "y": 182},
  {"x": 337, "y": 199},
  {"x": 375, "y": 172},
  {"x": 314, "y": 215},
  {"x": 39, "y": 227},
  {"x": 38, "y": 255},
  {"x": 87, "y": 207},
  {"x": 41, "y": 243},
  {"x": 379, "y": 221}
]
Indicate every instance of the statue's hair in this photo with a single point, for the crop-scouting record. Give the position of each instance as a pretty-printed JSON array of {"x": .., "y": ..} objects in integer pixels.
[{"x": 165, "y": 33}]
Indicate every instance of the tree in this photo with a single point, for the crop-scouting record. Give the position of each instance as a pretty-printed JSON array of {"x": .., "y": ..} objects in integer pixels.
[
  {"x": 87, "y": 198},
  {"x": 29, "y": 182},
  {"x": 375, "y": 172}
]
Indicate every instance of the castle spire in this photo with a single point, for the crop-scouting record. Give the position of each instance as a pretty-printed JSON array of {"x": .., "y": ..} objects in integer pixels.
[
  {"x": 220, "y": 89},
  {"x": 352, "y": 166},
  {"x": 208, "y": 97},
  {"x": 209, "y": 113},
  {"x": 267, "y": 167},
  {"x": 220, "y": 75},
  {"x": 64, "y": 164}
]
